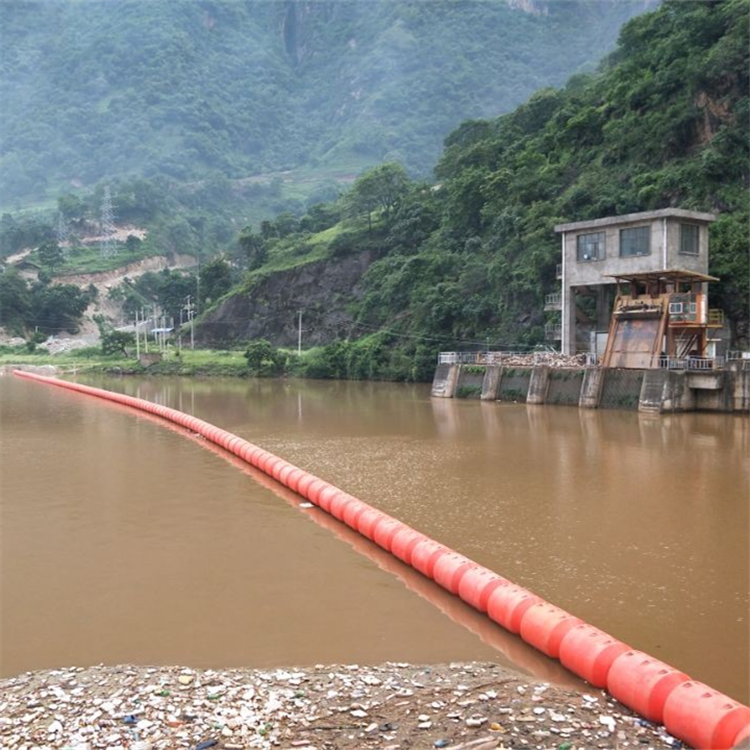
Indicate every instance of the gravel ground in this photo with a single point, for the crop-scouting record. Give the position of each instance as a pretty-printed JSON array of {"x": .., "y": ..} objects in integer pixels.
[{"x": 391, "y": 707}]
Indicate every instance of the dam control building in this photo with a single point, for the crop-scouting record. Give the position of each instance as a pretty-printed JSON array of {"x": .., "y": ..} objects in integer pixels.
[{"x": 634, "y": 288}]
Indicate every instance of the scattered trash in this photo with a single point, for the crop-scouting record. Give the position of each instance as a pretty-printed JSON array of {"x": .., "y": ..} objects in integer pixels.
[
  {"x": 306, "y": 505},
  {"x": 608, "y": 722},
  {"x": 394, "y": 706}
]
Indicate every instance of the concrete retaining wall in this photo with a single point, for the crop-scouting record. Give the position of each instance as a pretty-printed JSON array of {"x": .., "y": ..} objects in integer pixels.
[{"x": 649, "y": 391}]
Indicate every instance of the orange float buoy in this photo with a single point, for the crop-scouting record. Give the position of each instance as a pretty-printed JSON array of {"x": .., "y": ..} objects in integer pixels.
[
  {"x": 369, "y": 520},
  {"x": 742, "y": 740},
  {"x": 326, "y": 495},
  {"x": 425, "y": 554},
  {"x": 590, "y": 652},
  {"x": 544, "y": 626},
  {"x": 340, "y": 503},
  {"x": 643, "y": 683},
  {"x": 315, "y": 489},
  {"x": 703, "y": 717},
  {"x": 293, "y": 478},
  {"x": 477, "y": 585},
  {"x": 404, "y": 541},
  {"x": 450, "y": 569},
  {"x": 508, "y": 604},
  {"x": 384, "y": 532},
  {"x": 353, "y": 512}
]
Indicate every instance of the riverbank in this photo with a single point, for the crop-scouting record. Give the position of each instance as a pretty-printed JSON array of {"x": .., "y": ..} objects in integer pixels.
[{"x": 467, "y": 706}]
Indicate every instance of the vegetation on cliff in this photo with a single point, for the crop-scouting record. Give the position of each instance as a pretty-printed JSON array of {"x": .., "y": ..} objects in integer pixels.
[{"x": 467, "y": 261}]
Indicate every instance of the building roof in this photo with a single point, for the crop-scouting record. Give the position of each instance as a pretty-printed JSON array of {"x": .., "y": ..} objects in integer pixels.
[
  {"x": 667, "y": 276},
  {"x": 677, "y": 213}
]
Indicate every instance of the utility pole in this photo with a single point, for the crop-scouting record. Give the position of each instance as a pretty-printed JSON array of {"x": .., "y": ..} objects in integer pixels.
[
  {"x": 299, "y": 334},
  {"x": 137, "y": 338},
  {"x": 190, "y": 318},
  {"x": 145, "y": 333}
]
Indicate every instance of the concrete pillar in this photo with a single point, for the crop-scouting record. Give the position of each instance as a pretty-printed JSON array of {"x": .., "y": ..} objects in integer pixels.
[
  {"x": 652, "y": 391},
  {"x": 538, "y": 385},
  {"x": 739, "y": 381},
  {"x": 491, "y": 382},
  {"x": 591, "y": 389},
  {"x": 445, "y": 380},
  {"x": 568, "y": 320}
]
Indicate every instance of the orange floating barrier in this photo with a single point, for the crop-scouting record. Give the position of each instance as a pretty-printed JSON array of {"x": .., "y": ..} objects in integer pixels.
[
  {"x": 404, "y": 541},
  {"x": 353, "y": 512},
  {"x": 313, "y": 491},
  {"x": 368, "y": 522},
  {"x": 508, "y": 604},
  {"x": 477, "y": 585},
  {"x": 643, "y": 683},
  {"x": 450, "y": 569},
  {"x": 545, "y": 625},
  {"x": 590, "y": 652},
  {"x": 326, "y": 496},
  {"x": 425, "y": 554},
  {"x": 384, "y": 532},
  {"x": 703, "y": 717}
]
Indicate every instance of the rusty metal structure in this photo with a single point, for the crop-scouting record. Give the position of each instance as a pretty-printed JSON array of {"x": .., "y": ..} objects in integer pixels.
[{"x": 659, "y": 317}]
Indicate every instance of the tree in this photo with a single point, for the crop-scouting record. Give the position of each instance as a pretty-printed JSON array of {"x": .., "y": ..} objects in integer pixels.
[
  {"x": 15, "y": 301},
  {"x": 216, "y": 280},
  {"x": 50, "y": 255},
  {"x": 58, "y": 307},
  {"x": 380, "y": 188},
  {"x": 72, "y": 207},
  {"x": 132, "y": 243},
  {"x": 263, "y": 358},
  {"x": 254, "y": 247}
]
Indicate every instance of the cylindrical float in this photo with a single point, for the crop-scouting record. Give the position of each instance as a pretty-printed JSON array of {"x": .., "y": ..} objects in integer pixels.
[
  {"x": 385, "y": 531},
  {"x": 450, "y": 569},
  {"x": 545, "y": 625},
  {"x": 369, "y": 521},
  {"x": 703, "y": 717},
  {"x": 425, "y": 554},
  {"x": 643, "y": 683},
  {"x": 404, "y": 541},
  {"x": 477, "y": 585},
  {"x": 508, "y": 604},
  {"x": 590, "y": 652}
]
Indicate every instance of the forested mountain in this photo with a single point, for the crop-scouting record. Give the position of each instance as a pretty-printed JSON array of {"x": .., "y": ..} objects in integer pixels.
[
  {"x": 665, "y": 123},
  {"x": 93, "y": 90}
]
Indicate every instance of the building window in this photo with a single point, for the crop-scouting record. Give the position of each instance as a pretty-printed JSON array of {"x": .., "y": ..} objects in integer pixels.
[
  {"x": 689, "y": 239},
  {"x": 590, "y": 247},
  {"x": 636, "y": 241}
]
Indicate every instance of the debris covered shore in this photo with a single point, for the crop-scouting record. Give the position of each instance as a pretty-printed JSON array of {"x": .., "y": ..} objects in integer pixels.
[{"x": 466, "y": 706}]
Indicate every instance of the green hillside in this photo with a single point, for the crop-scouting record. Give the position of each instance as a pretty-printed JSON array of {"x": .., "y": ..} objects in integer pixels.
[
  {"x": 665, "y": 123},
  {"x": 225, "y": 89}
]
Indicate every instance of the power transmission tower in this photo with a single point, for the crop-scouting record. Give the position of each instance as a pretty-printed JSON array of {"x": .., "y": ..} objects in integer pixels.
[
  {"x": 107, "y": 247},
  {"x": 62, "y": 233}
]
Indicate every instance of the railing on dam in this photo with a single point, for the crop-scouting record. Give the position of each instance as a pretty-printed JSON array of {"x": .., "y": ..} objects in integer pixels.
[
  {"x": 496, "y": 358},
  {"x": 691, "y": 363}
]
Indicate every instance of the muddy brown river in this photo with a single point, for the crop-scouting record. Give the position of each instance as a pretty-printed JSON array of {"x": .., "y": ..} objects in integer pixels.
[{"x": 125, "y": 541}]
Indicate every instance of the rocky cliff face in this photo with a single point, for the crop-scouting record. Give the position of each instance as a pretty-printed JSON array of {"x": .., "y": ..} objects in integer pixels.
[{"x": 322, "y": 290}]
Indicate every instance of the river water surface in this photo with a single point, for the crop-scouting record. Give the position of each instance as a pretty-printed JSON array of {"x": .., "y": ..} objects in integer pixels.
[{"x": 126, "y": 541}]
